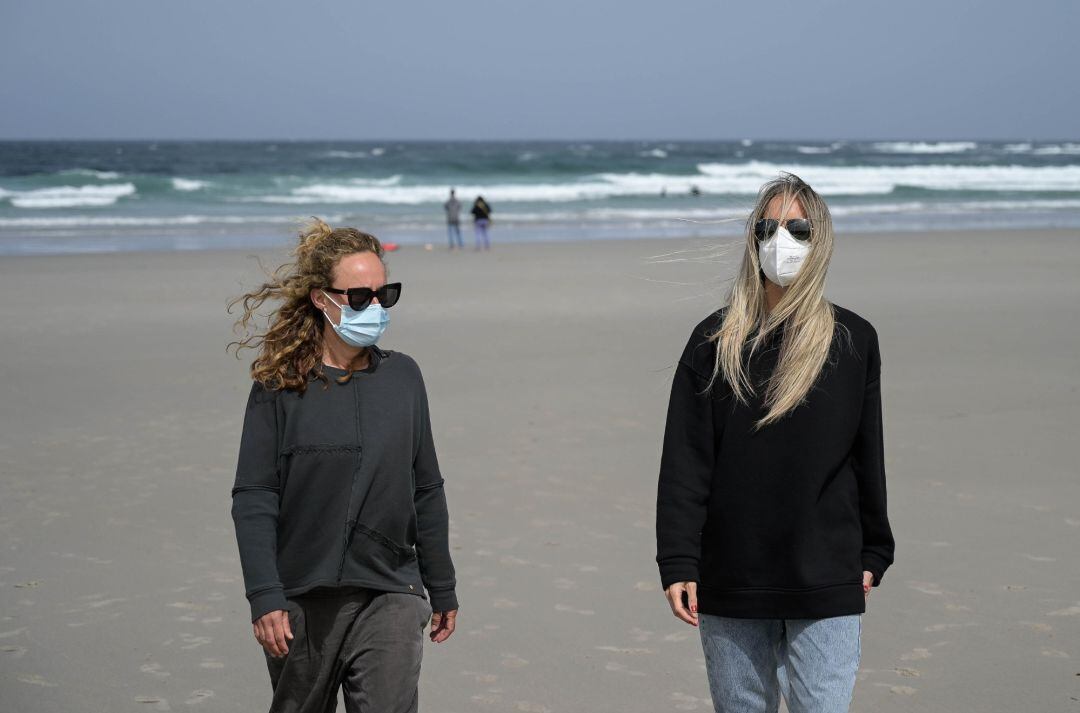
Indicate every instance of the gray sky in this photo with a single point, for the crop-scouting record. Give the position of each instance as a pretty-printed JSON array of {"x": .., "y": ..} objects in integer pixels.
[{"x": 558, "y": 69}]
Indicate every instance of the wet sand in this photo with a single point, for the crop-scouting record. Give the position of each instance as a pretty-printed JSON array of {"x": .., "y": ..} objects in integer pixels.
[{"x": 548, "y": 369}]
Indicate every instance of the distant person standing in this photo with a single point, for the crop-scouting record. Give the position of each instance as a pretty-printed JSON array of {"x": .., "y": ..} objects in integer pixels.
[
  {"x": 481, "y": 213},
  {"x": 453, "y": 221}
]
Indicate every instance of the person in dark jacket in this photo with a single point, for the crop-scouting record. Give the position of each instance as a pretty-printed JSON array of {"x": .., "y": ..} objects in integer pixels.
[
  {"x": 771, "y": 520},
  {"x": 481, "y": 213},
  {"x": 338, "y": 503}
]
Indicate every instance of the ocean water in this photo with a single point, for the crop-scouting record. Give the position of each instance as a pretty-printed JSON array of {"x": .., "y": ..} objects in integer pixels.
[{"x": 64, "y": 197}]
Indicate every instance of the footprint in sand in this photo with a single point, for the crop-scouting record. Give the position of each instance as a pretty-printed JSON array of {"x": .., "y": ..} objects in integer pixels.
[
  {"x": 198, "y": 696},
  {"x": 624, "y": 650},
  {"x": 616, "y": 667},
  {"x": 1055, "y": 654},
  {"x": 1068, "y": 611},
  {"x": 571, "y": 610},
  {"x": 154, "y": 669},
  {"x": 481, "y": 677},
  {"x": 505, "y": 604},
  {"x": 1040, "y": 558},
  {"x": 530, "y": 707},
  {"x": 211, "y": 663},
  {"x": 565, "y": 584},
  {"x": 194, "y": 642},
  {"x": 649, "y": 586},
  {"x": 490, "y": 698},
  {"x": 899, "y": 690},
  {"x": 686, "y": 702},
  {"x": 155, "y": 703},
  {"x": 34, "y": 679},
  {"x": 907, "y": 672},
  {"x": 926, "y": 588},
  {"x": 513, "y": 661},
  {"x": 916, "y": 655},
  {"x": 15, "y": 652}
]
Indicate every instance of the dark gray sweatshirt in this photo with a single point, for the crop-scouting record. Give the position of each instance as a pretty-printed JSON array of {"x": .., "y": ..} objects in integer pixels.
[{"x": 340, "y": 486}]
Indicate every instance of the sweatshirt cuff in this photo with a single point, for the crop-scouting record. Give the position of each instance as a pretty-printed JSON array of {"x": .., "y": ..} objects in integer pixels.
[
  {"x": 874, "y": 565},
  {"x": 442, "y": 600},
  {"x": 681, "y": 570},
  {"x": 266, "y": 601}
]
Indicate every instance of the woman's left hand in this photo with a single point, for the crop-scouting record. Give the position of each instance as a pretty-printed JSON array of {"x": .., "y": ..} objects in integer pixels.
[
  {"x": 867, "y": 583},
  {"x": 442, "y": 625}
]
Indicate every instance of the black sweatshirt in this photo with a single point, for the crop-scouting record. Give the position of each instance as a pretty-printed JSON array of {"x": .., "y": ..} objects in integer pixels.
[
  {"x": 340, "y": 486},
  {"x": 781, "y": 522}
]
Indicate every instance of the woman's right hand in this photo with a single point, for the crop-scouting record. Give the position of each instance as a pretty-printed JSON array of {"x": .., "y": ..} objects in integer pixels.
[
  {"x": 686, "y": 611},
  {"x": 271, "y": 631}
]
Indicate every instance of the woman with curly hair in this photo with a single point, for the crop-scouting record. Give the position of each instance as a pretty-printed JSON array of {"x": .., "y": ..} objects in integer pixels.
[
  {"x": 338, "y": 502},
  {"x": 771, "y": 520}
]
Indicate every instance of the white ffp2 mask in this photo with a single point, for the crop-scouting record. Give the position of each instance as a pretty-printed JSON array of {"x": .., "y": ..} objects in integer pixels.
[{"x": 781, "y": 257}]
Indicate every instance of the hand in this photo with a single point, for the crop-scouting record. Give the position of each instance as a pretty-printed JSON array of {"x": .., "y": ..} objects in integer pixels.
[
  {"x": 442, "y": 625},
  {"x": 867, "y": 583},
  {"x": 687, "y": 612},
  {"x": 272, "y": 630}
]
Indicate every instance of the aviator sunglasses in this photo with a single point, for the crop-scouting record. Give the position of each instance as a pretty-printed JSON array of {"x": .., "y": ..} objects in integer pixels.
[
  {"x": 798, "y": 227},
  {"x": 360, "y": 297}
]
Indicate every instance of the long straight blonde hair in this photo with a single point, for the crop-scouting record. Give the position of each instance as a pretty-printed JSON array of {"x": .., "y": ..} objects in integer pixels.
[{"x": 804, "y": 316}]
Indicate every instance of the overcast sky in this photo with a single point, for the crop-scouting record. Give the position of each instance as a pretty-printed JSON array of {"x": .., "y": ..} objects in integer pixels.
[{"x": 557, "y": 69}]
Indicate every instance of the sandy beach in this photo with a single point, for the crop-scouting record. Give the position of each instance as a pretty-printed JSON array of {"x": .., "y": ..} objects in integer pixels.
[{"x": 548, "y": 368}]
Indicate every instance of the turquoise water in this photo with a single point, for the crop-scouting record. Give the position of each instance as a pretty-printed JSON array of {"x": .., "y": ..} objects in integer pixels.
[{"x": 100, "y": 196}]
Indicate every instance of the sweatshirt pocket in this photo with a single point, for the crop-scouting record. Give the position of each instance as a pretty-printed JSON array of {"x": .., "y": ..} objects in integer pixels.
[
  {"x": 400, "y": 554},
  {"x": 374, "y": 557}
]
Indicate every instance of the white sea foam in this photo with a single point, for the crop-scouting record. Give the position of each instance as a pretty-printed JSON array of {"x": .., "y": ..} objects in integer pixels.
[
  {"x": 103, "y": 175},
  {"x": 732, "y": 216},
  {"x": 741, "y": 179},
  {"x": 187, "y": 184},
  {"x": 925, "y": 147},
  {"x": 1058, "y": 150},
  {"x": 655, "y": 153},
  {"x": 101, "y": 221},
  {"x": 736, "y": 215},
  {"x": 70, "y": 196},
  {"x": 862, "y": 180},
  {"x": 345, "y": 154},
  {"x": 1017, "y": 148},
  {"x": 814, "y": 149}
]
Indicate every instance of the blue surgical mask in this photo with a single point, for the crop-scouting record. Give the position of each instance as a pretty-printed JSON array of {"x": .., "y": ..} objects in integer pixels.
[{"x": 363, "y": 328}]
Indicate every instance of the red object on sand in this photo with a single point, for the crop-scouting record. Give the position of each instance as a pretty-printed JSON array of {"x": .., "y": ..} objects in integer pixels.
[{"x": 390, "y": 247}]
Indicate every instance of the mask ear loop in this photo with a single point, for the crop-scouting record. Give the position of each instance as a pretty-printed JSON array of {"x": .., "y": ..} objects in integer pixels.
[{"x": 325, "y": 314}]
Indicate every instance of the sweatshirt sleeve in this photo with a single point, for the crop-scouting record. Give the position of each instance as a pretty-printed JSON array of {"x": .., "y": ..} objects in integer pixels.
[
  {"x": 869, "y": 465},
  {"x": 255, "y": 497},
  {"x": 432, "y": 518},
  {"x": 686, "y": 469}
]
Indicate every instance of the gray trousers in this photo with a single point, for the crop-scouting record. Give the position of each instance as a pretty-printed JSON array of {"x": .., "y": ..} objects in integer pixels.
[{"x": 368, "y": 643}]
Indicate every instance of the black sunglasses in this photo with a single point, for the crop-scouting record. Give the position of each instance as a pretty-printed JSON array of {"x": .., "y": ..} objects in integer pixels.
[
  {"x": 360, "y": 297},
  {"x": 798, "y": 227}
]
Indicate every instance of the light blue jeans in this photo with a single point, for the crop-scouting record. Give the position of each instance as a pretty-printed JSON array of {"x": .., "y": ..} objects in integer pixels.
[{"x": 811, "y": 661}]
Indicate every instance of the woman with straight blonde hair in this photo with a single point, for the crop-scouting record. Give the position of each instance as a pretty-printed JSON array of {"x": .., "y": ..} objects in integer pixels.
[{"x": 771, "y": 520}]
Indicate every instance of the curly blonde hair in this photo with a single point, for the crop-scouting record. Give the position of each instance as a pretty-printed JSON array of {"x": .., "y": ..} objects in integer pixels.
[{"x": 290, "y": 350}]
